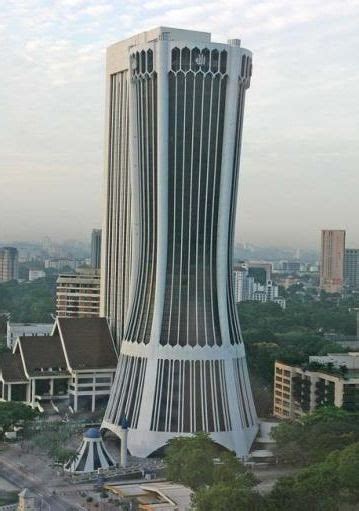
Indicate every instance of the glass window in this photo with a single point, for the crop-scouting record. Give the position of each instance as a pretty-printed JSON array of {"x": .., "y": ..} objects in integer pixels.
[
  {"x": 175, "y": 59},
  {"x": 150, "y": 61},
  {"x": 186, "y": 55},
  {"x": 214, "y": 61},
  {"x": 195, "y": 59},
  {"x": 223, "y": 66}
]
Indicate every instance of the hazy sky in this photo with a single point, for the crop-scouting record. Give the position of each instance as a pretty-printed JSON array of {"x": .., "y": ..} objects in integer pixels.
[{"x": 300, "y": 158}]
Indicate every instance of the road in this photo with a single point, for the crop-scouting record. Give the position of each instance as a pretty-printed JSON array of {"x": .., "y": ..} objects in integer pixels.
[{"x": 22, "y": 479}]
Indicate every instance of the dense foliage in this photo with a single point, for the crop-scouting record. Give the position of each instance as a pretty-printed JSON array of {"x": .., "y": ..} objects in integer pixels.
[
  {"x": 290, "y": 335},
  {"x": 196, "y": 462},
  {"x": 32, "y": 302},
  {"x": 312, "y": 438},
  {"x": 221, "y": 483},
  {"x": 324, "y": 486},
  {"x": 12, "y": 413},
  {"x": 55, "y": 438}
]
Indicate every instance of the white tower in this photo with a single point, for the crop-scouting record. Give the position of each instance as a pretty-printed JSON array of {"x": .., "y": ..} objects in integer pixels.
[{"x": 182, "y": 364}]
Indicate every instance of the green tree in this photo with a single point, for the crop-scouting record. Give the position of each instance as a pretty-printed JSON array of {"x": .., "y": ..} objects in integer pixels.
[
  {"x": 314, "y": 489},
  {"x": 316, "y": 435},
  {"x": 347, "y": 463},
  {"x": 228, "y": 497},
  {"x": 189, "y": 460},
  {"x": 12, "y": 413}
]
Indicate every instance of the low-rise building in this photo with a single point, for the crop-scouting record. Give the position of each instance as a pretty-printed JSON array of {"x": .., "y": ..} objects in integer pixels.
[
  {"x": 77, "y": 363},
  {"x": 15, "y": 330},
  {"x": 61, "y": 263},
  {"x": 156, "y": 496},
  {"x": 36, "y": 274},
  {"x": 331, "y": 380}
]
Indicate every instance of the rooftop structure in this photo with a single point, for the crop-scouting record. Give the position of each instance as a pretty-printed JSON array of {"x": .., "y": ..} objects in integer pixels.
[
  {"x": 156, "y": 496},
  {"x": 92, "y": 454}
]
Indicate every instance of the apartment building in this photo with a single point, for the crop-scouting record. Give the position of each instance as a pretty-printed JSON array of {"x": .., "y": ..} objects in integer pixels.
[
  {"x": 332, "y": 380},
  {"x": 78, "y": 294}
]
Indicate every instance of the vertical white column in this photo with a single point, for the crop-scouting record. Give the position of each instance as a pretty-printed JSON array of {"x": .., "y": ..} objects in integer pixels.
[
  {"x": 161, "y": 59},
  {"x": 9, "y": 392},
  {"x": 76, "y": 394},
  {"x": 33, "y": 391},
  {"x": 123, "y": 456},
  {"x": 93, "y": 399},
  {"x": 51, "y": 387},
  {"x": 134, "y": 180},
  {"x": 161, "y": 62},
  {"x": 225, "y": 197},
  {"x": 105, "y": 233},
  {"x": 28, "y": 392}
]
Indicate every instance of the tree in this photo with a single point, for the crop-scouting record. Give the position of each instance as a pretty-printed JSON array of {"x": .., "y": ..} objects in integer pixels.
[
  {"x": 314, "y": 489},
  {"x": 225, "y": 497},
  {"x": 196, "y": 461},
  {"x": 189, "y": 460},
  {"x": 229, "y": 469},
  {"x": 347, "y": 463},
  {"x": 316, "y": 435},
  {"x": 12, "y": 412}
]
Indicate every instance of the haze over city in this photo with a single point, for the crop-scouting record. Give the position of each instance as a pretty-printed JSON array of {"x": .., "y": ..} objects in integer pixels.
[{"x": 300, "y": 144}]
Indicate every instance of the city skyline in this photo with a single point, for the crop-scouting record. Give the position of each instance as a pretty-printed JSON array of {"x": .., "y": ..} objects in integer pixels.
[{"x": 299, "y": 156}]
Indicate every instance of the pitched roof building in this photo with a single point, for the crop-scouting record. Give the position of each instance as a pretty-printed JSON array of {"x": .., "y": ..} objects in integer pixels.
[{"x": 75, "y": 364}]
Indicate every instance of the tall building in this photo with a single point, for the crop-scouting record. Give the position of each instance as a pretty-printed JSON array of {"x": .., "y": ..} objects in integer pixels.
[
  {"x": 9, "y": 264},
  {"x": 351, "y": 268},
  {"x": 78, "y": 294},
  {"x": 332, "y": 261},
  {"x": 243, "y": 284},
  {"x": 177, "y": 100},
  {"x": 96, "y": 248}
]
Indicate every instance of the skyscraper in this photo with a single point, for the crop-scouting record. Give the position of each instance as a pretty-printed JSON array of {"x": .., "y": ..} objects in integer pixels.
[
  {"x": 351, "y": 268},
  {"x": 179, "y": 99},
  {"x": 96, "y": 248},
  {"x": 9, "y": 264},
  {"x": 332, "y": 261}
]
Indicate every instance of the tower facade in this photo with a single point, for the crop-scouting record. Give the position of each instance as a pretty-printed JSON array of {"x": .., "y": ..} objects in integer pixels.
[
  {"x": 9, "y": 264},
  {"x": 182, "y": 364},
  {"x": 332, "y": 261}
]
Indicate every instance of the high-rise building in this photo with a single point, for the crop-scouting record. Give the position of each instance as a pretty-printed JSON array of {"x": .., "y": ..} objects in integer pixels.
[
  {"x": 96, "y": 248},
  {"x": 332, "y": 261},
  {"x": 78, "y": 294},
  {"x": 9, "y": 264},
  {"x": 351, "y": 268},
  {"x": 243, "y": 284},
  {"x": 177, "y": 100}
]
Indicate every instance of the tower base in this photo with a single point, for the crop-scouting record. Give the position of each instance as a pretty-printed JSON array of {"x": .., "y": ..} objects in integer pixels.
[{"x": 144, "y": 443}]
